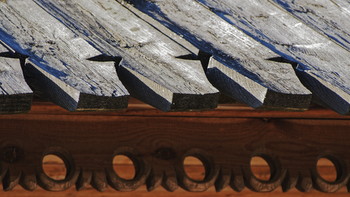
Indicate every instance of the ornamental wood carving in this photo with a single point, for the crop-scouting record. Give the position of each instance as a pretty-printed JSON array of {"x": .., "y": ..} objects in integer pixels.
[{"x": 224, "y": 140}]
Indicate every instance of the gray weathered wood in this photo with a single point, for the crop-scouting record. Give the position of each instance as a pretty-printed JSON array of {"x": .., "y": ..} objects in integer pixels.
[
  {"x": 150, "y": 67},
  {"x": 239, "y": 66},
  {"x": 328, "y": 17},
  {"x": 15, "y": 94},
  {"x": 323, "y": 65},
  {"x": 158, "y": 25},
  {"x": 57, "y": 58}
]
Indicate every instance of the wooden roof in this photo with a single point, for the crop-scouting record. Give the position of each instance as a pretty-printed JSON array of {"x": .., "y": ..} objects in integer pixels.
[{"x": 175, "y": 55}]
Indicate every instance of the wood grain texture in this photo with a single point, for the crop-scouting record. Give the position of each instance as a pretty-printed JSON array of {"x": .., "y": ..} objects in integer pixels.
[
  {"x": 239, "y": 67},
  {"x": 151, "y": 67},
  {"x": 142, "y": 192},
  {"x": 58, "y": 59},
  {"x": 158, "y": 145},
  {"x": 236, "y": 110},
  {"x": 323, "y": 65},
  {"x": 15, "y": 94},
  {"x": 327, "y": 17},
  {"x": 55, "y": 169}
]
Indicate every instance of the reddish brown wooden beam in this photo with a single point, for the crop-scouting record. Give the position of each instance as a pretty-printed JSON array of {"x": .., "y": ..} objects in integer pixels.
[
  {"x": 158, "y": 145},
  {"x": 233, "y": 110},
  {"x": 160, "y": 192}
]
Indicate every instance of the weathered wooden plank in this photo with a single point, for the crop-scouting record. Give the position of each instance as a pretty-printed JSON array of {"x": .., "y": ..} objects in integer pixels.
[
  {"x": 239, "y": 66},
  {"x": 150, "y": 67},
  {"x": 328, "y": 17},
  {"x": 323, "y": 65},
  {"x": 158, "y": 25},
  {"x": 15, "y": 94},
  {"x": 58, "y": 59}
]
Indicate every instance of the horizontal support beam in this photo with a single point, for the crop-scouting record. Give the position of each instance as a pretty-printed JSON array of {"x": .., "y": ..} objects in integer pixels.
[
  {"x": 158, "y": 145},
  {"x": 18, "y": 192}
]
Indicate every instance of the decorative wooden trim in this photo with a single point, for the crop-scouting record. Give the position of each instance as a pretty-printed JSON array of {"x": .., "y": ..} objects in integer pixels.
[{"x": 224, "y": 140}]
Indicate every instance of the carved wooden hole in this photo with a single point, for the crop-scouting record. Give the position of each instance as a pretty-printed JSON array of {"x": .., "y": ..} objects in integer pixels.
[
  {"x": 327, "y": 169},
  {"x": 54, "y": 167},
  {"x": 194, "y": 168},
  {"x": 260, "y": 168},
  {"x": 124, "y": 167}
]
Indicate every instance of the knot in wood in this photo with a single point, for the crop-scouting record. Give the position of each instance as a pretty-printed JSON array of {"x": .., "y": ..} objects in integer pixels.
[
  {"x": 165, "y": 154},
  {"x": 11, "y": 154}
]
